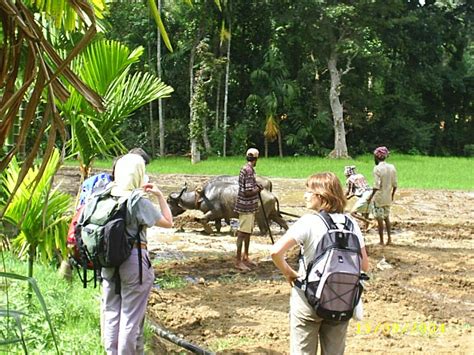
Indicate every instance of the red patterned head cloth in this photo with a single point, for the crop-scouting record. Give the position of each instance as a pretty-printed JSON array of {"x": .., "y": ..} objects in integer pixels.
[
  {"x": 349, "y": 170},
  {"x": 381, "y": 152}
]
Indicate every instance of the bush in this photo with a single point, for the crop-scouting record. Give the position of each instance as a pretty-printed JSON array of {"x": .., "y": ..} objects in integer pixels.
[{"x": 469, "y": 150}]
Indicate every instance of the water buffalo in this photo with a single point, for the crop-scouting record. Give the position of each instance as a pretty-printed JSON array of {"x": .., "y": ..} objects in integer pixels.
[
  {"x": 264, "y": 182},
  {"x": 217, "y": 199}
]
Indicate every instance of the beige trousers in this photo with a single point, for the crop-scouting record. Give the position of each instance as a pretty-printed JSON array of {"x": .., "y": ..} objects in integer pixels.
[{"x": 307, "y": 329}]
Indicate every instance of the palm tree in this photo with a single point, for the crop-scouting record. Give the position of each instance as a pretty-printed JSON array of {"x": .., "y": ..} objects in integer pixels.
[
  {"x": 38, "y": 212},
  {"x": 105, "y": 66},
  {"x": 274, "y": 93}
]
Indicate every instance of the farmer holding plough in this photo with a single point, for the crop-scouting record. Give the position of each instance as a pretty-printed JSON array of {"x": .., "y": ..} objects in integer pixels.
[
  {"x": 246, "y": 206},
  {"x": 357, "y": 186}
]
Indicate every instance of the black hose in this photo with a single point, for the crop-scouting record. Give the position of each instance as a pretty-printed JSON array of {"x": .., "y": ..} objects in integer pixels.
[
  {"x": 165, "y": 334},
  {"x": 290, "y": 214}
]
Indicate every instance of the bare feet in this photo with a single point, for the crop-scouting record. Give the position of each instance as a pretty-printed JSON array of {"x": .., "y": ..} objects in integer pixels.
[
  {"x": 249, "y": 263},
  {"x": 389, "y": 241},
  {"x": 240, "y": 265}
]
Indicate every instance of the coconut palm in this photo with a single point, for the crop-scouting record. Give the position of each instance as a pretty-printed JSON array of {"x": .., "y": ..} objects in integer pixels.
[
  {"x": 274, "y": 93},
  {"x": 39, "y": 212},
  {"x": 106, "y": 67}
]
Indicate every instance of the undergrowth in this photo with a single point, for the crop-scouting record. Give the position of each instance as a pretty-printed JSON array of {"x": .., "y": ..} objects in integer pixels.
[{"x": 74, "y": 312}]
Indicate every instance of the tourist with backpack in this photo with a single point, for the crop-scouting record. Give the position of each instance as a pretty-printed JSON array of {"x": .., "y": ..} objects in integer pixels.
[
  {"x": 327, "y": 286},
  {"x": 92, "y": 185},
  {"x": 123, "y": 313}
]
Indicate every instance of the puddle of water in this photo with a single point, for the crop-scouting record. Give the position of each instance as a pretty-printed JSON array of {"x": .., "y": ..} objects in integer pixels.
[
  {"x": 169, "y": 238},
  {"x": 168, "y": 254}
]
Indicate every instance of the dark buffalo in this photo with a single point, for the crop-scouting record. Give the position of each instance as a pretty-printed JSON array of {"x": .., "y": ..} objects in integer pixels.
[
  {"x": 217, "y": 200},
  {"x": 264, "y": 182}
]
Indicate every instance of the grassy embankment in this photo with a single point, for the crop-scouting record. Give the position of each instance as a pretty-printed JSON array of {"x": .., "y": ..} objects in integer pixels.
[{"x": 420, "y": 172}]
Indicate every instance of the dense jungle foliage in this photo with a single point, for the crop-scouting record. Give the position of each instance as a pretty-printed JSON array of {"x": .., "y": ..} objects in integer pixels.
[{"x": 406, "y": 74}]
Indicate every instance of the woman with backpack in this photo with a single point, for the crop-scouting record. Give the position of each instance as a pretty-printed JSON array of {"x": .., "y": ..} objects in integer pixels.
[
  {"x": 123, "y": 313},
  {"x": 324, "y": 194}
]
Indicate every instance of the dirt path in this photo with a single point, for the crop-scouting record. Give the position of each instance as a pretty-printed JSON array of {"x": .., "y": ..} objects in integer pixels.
[{"x": 423, "y": 304}]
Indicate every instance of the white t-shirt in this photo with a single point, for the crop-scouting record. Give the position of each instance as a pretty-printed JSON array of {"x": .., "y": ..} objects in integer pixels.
[
  {"x": 385, "y": 179},
  {"x": 310, "y": 228}
]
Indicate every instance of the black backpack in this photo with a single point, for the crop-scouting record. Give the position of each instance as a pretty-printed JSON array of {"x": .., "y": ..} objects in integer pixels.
[
  {"x": 101, "y": 236},
  {"x": 333, "y": 277}
]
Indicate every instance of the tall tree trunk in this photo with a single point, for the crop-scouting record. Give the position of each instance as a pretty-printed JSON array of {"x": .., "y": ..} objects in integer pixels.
[
  {"x": 205, "y": 136},
  {"x": 195, "y": 154},
  {"x": 340, "y": 146},
  {"x": 226, "y": 90},
  {"x": 150, "y": 111},
  {"x": 280, "y": 145},
  {"x": 218, "y": 98},
  {"x": 265, "y": 144},
  {"x": 161, "y": 118}
]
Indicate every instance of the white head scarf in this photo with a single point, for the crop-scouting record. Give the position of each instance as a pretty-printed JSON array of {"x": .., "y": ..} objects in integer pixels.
[{"x": 129, "y": 175}]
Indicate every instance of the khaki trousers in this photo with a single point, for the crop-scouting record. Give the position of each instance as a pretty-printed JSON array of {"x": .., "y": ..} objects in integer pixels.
[{"x": 307, "y": 329}]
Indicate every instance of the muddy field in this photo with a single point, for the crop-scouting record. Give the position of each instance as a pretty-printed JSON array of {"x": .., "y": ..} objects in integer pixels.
[{"x": 420, "y": 300}]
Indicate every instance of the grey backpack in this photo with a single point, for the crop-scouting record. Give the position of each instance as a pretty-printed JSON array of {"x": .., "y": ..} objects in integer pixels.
[{"x": 332, "y": 285}]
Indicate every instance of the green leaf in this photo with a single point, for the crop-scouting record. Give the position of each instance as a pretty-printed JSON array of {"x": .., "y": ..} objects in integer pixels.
[
  {"x": 40, "y": 298},
  {"x": 161, "y": 27}
]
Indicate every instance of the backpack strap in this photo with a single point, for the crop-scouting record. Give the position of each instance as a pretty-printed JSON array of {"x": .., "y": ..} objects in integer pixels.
[
  {"x": 341, "y": 239},
  {"x": 348, "y": 224},
  {"x": 326, "y": 217},
  {"x": 328, "y": 221},
  {"x": 140, "y": 265}
]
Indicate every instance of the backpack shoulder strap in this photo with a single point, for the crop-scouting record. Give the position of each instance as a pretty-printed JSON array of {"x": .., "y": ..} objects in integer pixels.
[
  {"x": 327, "y": 220},
  {"x": 348, "y": 224}
]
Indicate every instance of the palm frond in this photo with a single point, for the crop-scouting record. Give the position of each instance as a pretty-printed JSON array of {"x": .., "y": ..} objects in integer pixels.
[
  {"x": 37, "y": 74},
  {"x": 271, "y": 128},
  {"x": 40, "y": 213},
  {"x": 105, "y": 65}
]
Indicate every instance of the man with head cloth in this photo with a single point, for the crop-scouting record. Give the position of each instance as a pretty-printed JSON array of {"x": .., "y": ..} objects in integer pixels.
[
  {"x": 246, "y": 206},
  {"x": 385, "y": 185}
]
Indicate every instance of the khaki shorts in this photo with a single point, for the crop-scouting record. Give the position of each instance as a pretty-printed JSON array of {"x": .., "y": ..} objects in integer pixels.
[
  {"x": 381, "y": 212},
  {"x": 246, "y": 222}
]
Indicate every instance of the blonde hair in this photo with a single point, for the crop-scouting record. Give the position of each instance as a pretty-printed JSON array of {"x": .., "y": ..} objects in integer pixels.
[{"x": 329, "y": 189}]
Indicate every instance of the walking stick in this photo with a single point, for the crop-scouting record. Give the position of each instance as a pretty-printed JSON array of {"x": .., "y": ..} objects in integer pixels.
[{"x": 265, "y": 217}]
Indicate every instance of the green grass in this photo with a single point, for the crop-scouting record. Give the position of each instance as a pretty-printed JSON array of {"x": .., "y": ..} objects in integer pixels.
[
  {"x": 414, "y": 171},
  {"x": 74, "y": 311},
  {"x": 231, "y": 342},
  {"x": 168, "y": 280}
]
